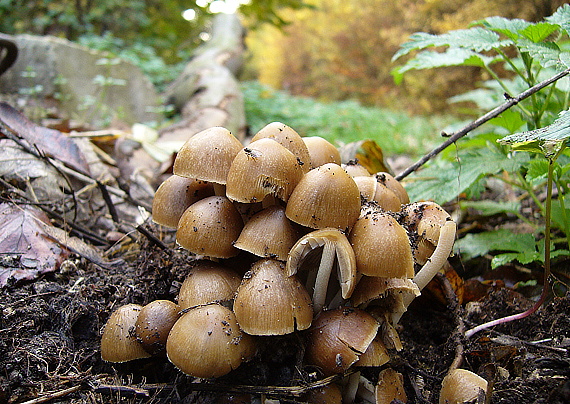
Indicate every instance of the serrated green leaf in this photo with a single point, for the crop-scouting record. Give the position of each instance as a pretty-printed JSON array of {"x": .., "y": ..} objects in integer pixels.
[
  {"x": 533, "y": 140},
  {"x": 505, "y": 26},
  {"x": 510, "y": 120},
  {"x": 476, "y": 39},
  {"x": 490, "y": 208},
  {"x": 561, "y": 17},
  {"x": 537, "y": 170},
  {"x": 545, "y": 53},
  {"x": 478, "y": 244},
  {"x": 539, "y": 32},
  {"x": 502, "y": 259},
  {"x": 444, "y": 182}
]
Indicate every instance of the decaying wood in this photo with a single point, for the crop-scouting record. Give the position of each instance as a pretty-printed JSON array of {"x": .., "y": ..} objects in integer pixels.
[{"x": 207, "y": 92}]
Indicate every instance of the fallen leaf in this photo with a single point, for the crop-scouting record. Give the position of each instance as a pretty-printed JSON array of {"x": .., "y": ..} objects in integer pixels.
[
  {"x": 50, "y": 142},
  {"x": 25, "y": 250}
]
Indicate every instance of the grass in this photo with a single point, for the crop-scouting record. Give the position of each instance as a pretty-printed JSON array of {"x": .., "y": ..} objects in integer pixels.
[{"x": 343, "y": 122}]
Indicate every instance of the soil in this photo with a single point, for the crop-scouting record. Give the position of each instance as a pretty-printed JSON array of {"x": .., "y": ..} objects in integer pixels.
[{"x": 50, "y": 332}]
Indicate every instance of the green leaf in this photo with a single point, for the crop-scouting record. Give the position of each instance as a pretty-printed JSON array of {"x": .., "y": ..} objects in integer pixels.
[
  {"x": 478, "y": 244},
  {"x": 445, "y": 181},
  {"x": 561, "y": 17},
  {"x": 539, "y": 32},
  {"x": 537, "y": 170},
  {"x": 451, "y": 57},
  {"x": 545, "y": 53},
  {"x": 535, "y": 140},
  {"x": 503, "y": 259},
  {"x": 476, "y": 39},
  {"x": 510, "y": 120},
  {"x": 490, "y": 208},
  {"x": 508, "y": 27}
]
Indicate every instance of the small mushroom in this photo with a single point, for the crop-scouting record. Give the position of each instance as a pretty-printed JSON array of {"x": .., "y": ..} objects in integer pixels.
[
  {"x": 461, "y": 386},
  {"x": 174, "y": 196},
  {"x": 207, "y": 155},
  {"x": 268, "y": 234},
  {"x": 321, "y": 151},
  {"x": 289, "y": 139},
  {"x": 208, "y": 282},
  {"x": 375, "y": 355},
  {"x": 381, "y": 245},
  {"x": 320, "y": 252},
  {"x": 354, "y": 169},
  {"x": 263, "y": 168},
  {"x": 393, "y": 185},
  {"x": 338, "y": 337},
  {"x": 210, "y": 227},
  {"x": 207, "y": 342},
  {"x": 372, "y": 190},
  {"x": 154, "y": 323},
  {"x": 118, "y": 343},
  {"x": 325, "y": 197},
  {"x": 390, "y": 387},
  {"x": 268, "y": 302}
]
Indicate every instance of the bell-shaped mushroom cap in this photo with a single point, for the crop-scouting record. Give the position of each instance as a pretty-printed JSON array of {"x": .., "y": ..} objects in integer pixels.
[
  {"x": 207, "y": 155},
  {"x": 263, "y": 168},
  {"x": 118, "y": 344},
  {"x": 174, "y": 196},
  {"x": 393, "y": 294},
  {"x": 338, "y": 337},
  {"x": 210, "y": 227},
  {"x": 321, "y": 151},
  {"x": 381, "y": 245},
  {"x": 268, "y": 234},
  {"x": 393, "y": 185},
  {"x": 426, "y": 218},
  {"x": 207, "y": 342},
  {"x": 154, "y": 323},
  {"x": 208, "y": 282},
  {"x": 325, "y": 197},
  {"x": 289, "y": 139},
  {"x": 268, "y": 302},
  {"x": 354, "y": 169},
  {"x": 372, "y": 190},
  {"x": 460, "y": 386},
  {"x": 320, "y": 252},
  {"x": 375, "y": 355},
  {"x": 390, "y": 387}
]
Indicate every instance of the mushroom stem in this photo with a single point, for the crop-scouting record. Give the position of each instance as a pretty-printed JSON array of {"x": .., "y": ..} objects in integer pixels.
[
  {"x": 433, "y": 264},
  {"x": 439, "y": 256},
  {"x": 350, "y": 388},
  {"x": 323, "y": 276}
]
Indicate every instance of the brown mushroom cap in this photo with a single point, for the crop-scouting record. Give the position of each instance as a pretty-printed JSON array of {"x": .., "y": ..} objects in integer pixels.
[
  {"x": 321, "y": 151},
  {"x": 381, "y": 245},
  {"x": 289, "y": 139},
  {"x": 390, "y": 387},
  {"x": 329, "y": 394},
  {"x": 268, "y": 302},
  {"x": 154, "y": 323},
  {"x": 324, "y": 252},
  {"x": 354, "y": 169},
  {"x": 325, "y": 197},
  {"x": 372, "y": 190},
  {"x": 207, "y": 342},
  {"x": 263, "y": 168},
  {"x": 460, "y": 386},
  {"x": 375, "y": 355},
  {"x": 174, "y": 196},
  {"x": 207, "y": 155},
  {"x": 426, "y": 218},
  {"x": 118, "y": 343},
  {"x": 210, "y": 227},
  {"x": 338, "y": 337},
  {"x": 393, "y": 185},
  {"x": 208, "y": 282},
  {"x": 268, "y": 234}
]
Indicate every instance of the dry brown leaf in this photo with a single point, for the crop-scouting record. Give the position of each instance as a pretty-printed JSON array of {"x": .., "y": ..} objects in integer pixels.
[
  {"x": 50, "y": 142},
  {"x": 25, "y": 250}
]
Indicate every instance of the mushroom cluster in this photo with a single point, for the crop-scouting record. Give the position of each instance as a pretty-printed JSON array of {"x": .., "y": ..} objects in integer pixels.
[{"x": 338, "y": 252}]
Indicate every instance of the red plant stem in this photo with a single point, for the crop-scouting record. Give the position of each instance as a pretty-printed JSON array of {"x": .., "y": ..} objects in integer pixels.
[{"x": 546, "y": 283}]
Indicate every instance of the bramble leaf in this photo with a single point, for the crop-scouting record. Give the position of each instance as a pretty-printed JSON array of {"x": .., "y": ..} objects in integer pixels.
[
  {"x": 478, "y": 244},
  {"x": 545, "y": 53},
  {"x": 490, "y": 208},
  {"x": 561, "y": 17},
  {"x": 508, "y": 27},
  {"x": 477, "y": 39},
  {"x": 539, "y": 32}
]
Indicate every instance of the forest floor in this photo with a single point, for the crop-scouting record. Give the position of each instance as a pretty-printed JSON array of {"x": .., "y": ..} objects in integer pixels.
[{"x": 50, "y": 332}]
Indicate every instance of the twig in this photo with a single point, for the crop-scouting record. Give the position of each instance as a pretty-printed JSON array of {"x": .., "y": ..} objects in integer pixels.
[
  {"x": 480, "y": 121},
  {"x": 56, "y": 394}
]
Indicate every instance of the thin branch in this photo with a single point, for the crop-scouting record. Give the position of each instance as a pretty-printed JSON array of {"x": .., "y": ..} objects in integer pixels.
[{"x": 480, "y": 121}]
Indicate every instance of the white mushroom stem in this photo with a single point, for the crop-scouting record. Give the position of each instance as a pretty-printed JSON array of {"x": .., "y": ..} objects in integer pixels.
[
  {"x": 439, "y": 256},
  {"x": 350, "y": 388},
  {"x": 323, "y": 276},
  {"x": 366, "y": 391},
  {"x": 433, "y": 264}
]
